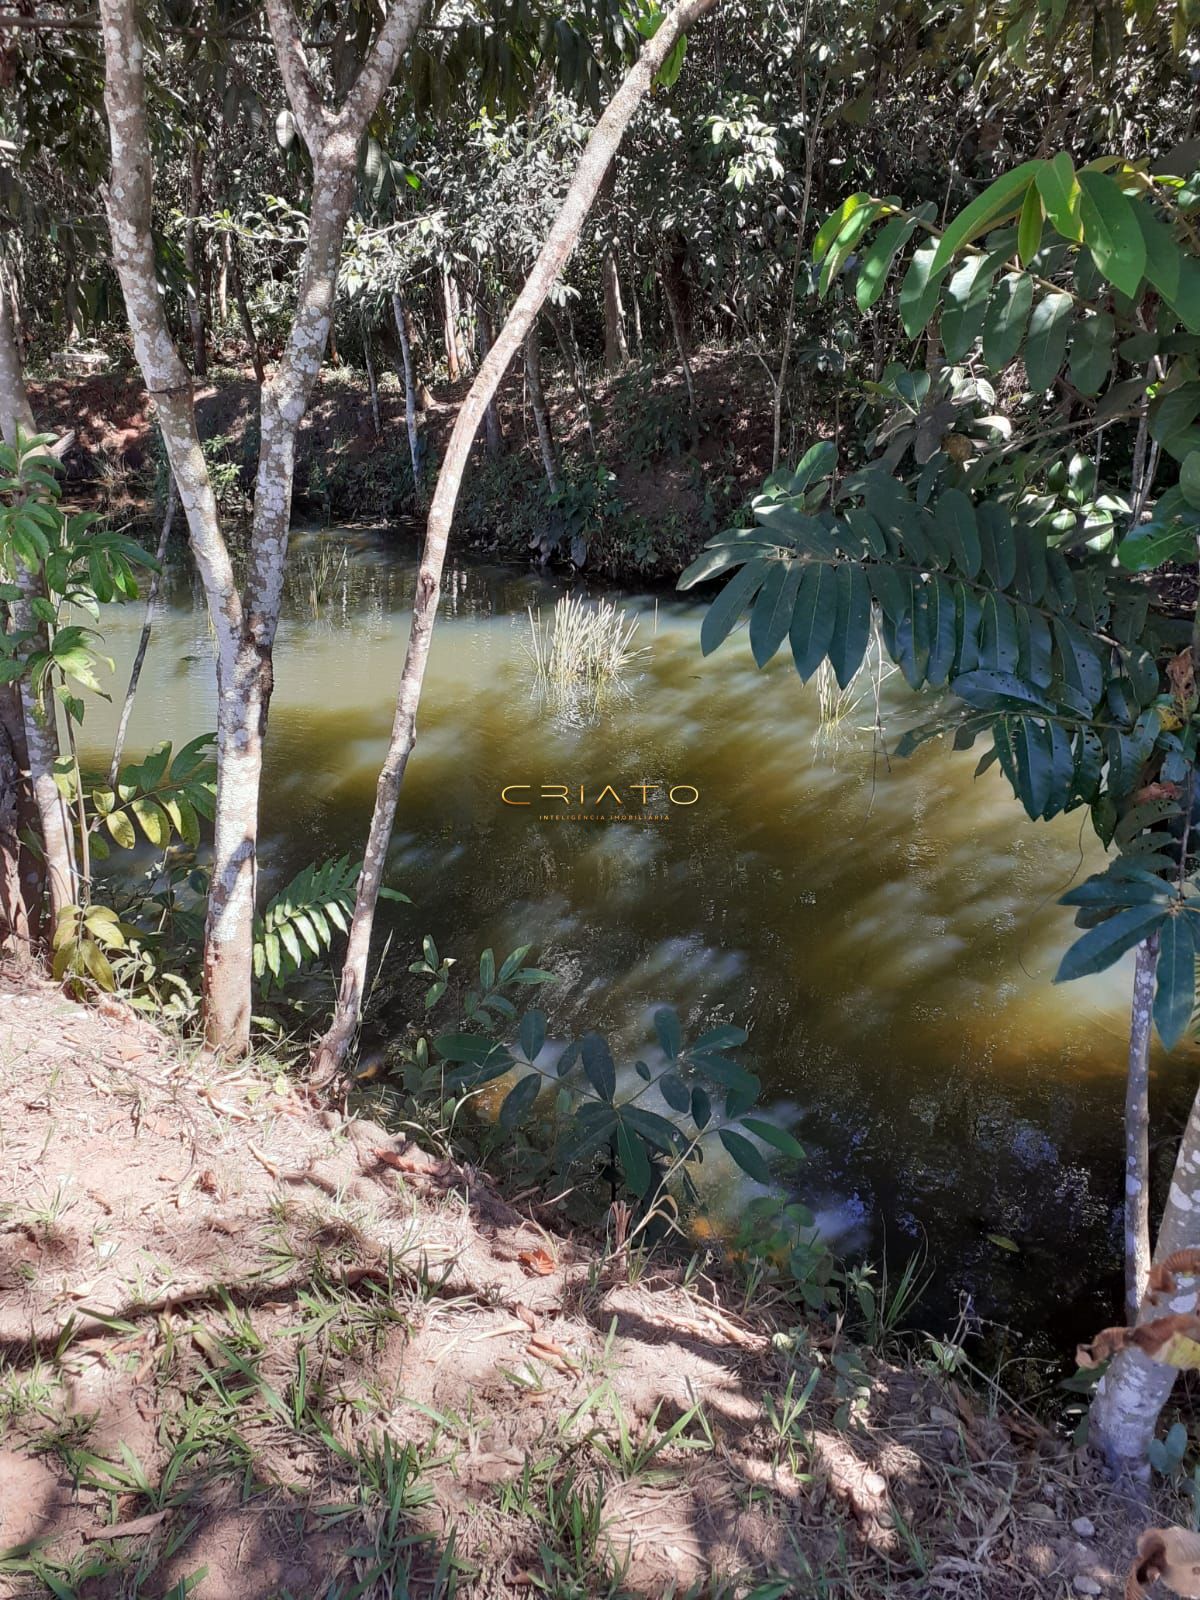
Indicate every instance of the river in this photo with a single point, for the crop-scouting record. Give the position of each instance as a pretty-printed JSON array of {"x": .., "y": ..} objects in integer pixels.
[{"x": 887, "y": 931}]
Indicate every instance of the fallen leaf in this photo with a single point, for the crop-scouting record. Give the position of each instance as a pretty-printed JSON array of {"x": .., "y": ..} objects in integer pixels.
[
  {"x": 526, "y": 1316},
  {"x": 126, "y": 1530},
  {"x": 538, "y": 1261}
]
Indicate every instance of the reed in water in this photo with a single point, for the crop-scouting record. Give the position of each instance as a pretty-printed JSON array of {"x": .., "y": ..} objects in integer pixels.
[{"x": 584, "y": 644}]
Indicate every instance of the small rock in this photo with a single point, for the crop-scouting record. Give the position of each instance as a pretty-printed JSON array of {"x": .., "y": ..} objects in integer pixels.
[
  {"x": 1084, "y": 1527},
  {"x": 1084, "y": 1585}
]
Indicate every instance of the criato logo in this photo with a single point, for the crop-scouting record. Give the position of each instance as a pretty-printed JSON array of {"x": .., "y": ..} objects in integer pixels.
[{"x": 642, "y": 802}]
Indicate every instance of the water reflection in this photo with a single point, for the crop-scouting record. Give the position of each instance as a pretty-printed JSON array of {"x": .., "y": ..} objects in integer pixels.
[{"x": 889, "y": 934}]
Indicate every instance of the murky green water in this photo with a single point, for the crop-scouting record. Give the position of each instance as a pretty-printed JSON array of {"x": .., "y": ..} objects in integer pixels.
[{"x": 888, "y": 934}]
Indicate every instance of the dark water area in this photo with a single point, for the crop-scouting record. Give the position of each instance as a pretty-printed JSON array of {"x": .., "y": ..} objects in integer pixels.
[{"x": 887, "y": 932}]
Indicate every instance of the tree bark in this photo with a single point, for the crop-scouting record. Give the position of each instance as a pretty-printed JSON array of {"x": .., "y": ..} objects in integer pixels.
[
  {"x": 616, "y": 347},
  {"x": 22, "y": 880},
  {"x": 493, "y": 432},
  {"x": 560, "y": 241},
  {"x": 411, "y": 420},
  {"x": 1134, "y": 1390},
  {"x": 450, "y": 326},
  {"x": 192, "y": 254},
  {"x": 243, "y": 305},
  {"x": 40, "y": 728},
  {"x": 70, "y": 292},
  {"x": 223, "y": 279},
  {"x": 244, "y": 623},
  {"x": 564, "y": 332},
  {"x": 537, "y": 401},
  {"x": 675, "y": 312},
  {"x": 1137, "y": 1130}
]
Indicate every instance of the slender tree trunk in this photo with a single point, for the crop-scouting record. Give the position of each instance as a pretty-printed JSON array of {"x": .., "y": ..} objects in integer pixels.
[
  {"x": 493, "y": 432},
  {"x": 1137, "y": 1131},
  {"x": 223, "y": 279},
  {"x": 541, "y": 416},
  {"x": 22, "y": 881},
  {"x": 561, "y": 240},
  {"x": 192, "y": 255},
  {"x": 616, "y": 347},
  {"x": 41, "y": 732},
  {"x": 70, "y": 293},
  {"x": 450, "y": 326},
  {"x": 1134, "y": 1390},
  {"x": 564, "y": 332},
  {"x": 675, "y": 312},
  {"x": 139, "y": 658},
  {"x": 376, "y": 421},
  {"x": 244, "y": 622},
  {"x": 411, "y": 421},
  {"x": 243, "y": 305}
]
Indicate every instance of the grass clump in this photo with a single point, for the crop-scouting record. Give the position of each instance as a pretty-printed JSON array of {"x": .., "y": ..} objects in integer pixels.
[{"x": 583, "y": 645}]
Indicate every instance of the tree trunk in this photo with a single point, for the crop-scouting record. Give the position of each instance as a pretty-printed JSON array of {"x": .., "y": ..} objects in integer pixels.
[
  {"x": 541, "y": 416},
  {"x": 411, "y": 421},
  {"x": 450, "y": 326},
  {"x": 244, "y": 624},
  {"x": 675, "y": 312},
  {"x": 373, "y": 387},
  {"x": 616, "y": 347},
  {"x": 192, "y": 255},
  {"x": 22, "y": 881},
  {"x": 561, "y": 240},
  {"x": 1134, "y": 1390},
  {"x": 243, "y": 305},
  {"x": 223, "y": 279},
  {"x": 41, "y": 732},
  {"x": 70, "y": 292},
  {"x": 564, "y": 332},
  {"x": 1137, "y": 1131},
  {"x": 493, "y": 432}
]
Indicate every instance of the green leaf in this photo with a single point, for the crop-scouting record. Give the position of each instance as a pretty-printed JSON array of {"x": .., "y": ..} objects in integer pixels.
[
  {"x": 747, "y": 1155},
  {"x": 728, "y": 606},
  {"x": 955, "y": 515},
  {"x": 710, "y": 562},
  {"x": 813, "y": 618},
  {"x": 1092, "y": 352},
  {"x": 598, "y": 1065},
  {"x": 998, "y": 547},
  {"x": 835, "y": 222},
  {"x": 533, "y": 1033},
  {"x": 675, "y": 1092},
  {"x": 1029, "y": 229},
  {"x": 1112, "y": 232},
  {"x": 772, "y": 613},
  {"x": 1006, "y": 320},
  {"x": 999, "y": 200},
  {"x": 518, "y": 1102},
  {"x": 851, "y": 623},
  {"x": 778, "y": 1137},
  {"x": 634, "y": 1162},
  {"x": 1175, "y": 978},
  {"x": 1189, "y": 479},
  {"x": 919, "y": 290},
  {"x": 1108, "y": 942},
  {"x": 1047, "y": 341},
  {"x": 670, "y": 1035},
  {"x": 121, "y": 828},
  {"x": 876, "y": 262},
  {"x": 1060, "y": 192}
]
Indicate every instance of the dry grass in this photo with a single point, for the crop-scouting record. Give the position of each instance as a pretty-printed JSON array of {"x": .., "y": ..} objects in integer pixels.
[
  {"x": 245, "y": 1356},
  {"x": 587, "y": 645}
]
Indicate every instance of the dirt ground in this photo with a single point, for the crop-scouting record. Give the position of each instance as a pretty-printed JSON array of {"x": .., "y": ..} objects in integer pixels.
[{"x": 252, "y": 1349}]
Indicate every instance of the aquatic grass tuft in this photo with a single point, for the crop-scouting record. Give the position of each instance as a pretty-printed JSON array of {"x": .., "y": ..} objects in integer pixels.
[{"x": 584, "y": 645}]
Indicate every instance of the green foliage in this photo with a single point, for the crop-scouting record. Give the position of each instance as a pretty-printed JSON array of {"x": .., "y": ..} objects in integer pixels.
[
  {"x": 300, "y": 923},
  {"x": 989, "y": 566},
  {"x": 602, "y": 1107}
]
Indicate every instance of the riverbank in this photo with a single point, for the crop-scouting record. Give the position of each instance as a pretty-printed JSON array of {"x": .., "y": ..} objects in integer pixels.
[
  {"x": 645, "y": 475},
  {"x": 251, "y": 1348}
]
